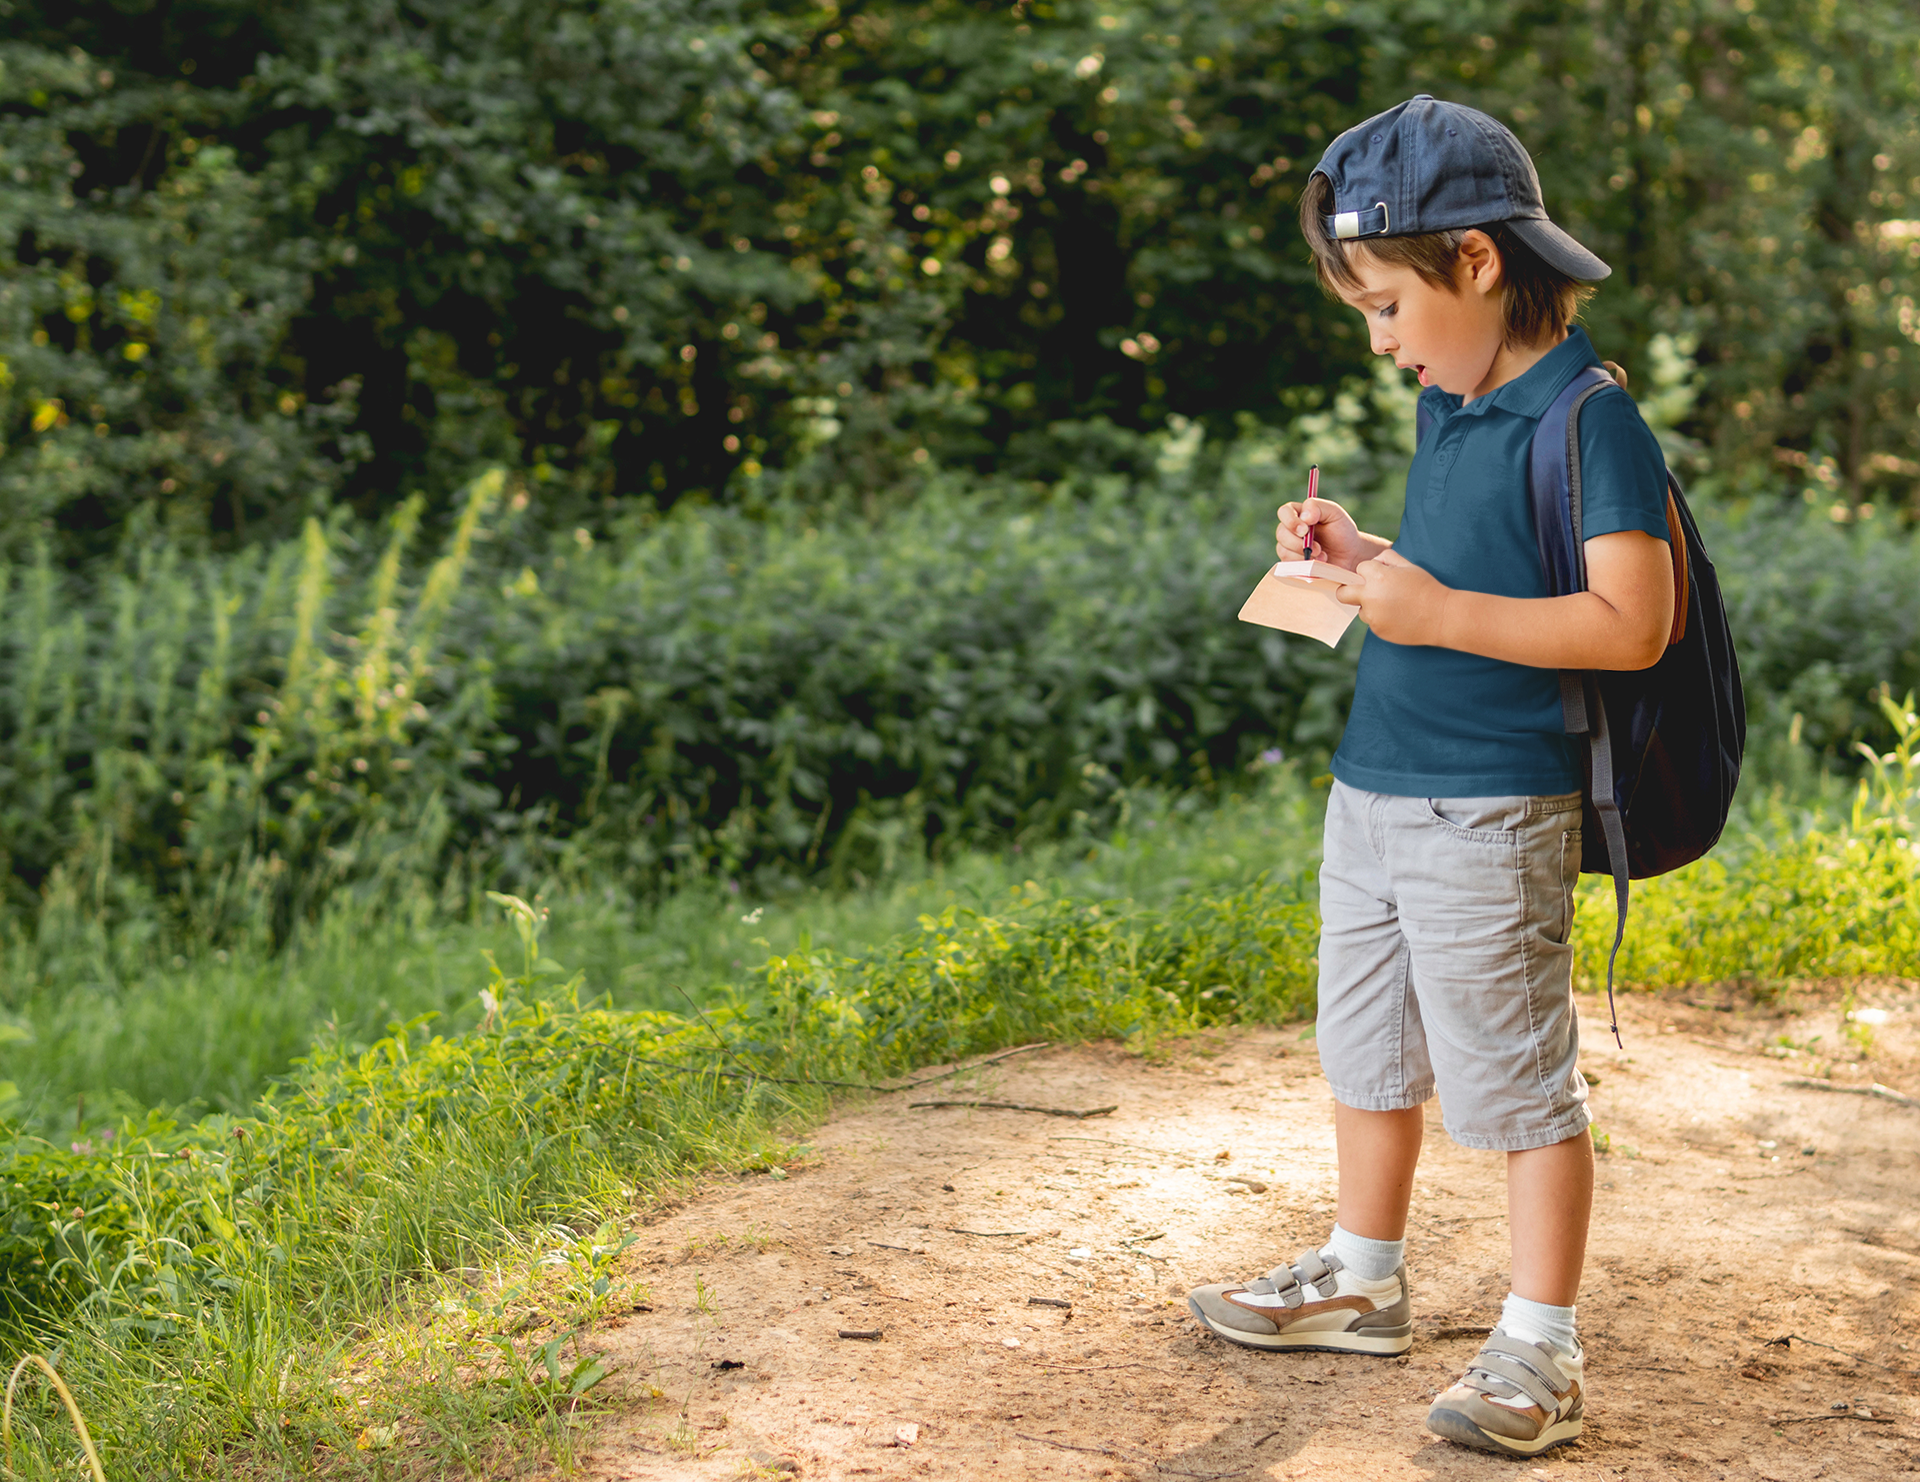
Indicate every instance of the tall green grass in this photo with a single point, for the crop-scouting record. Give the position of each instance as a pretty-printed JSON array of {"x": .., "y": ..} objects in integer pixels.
[
  {"x": 88, "y": 1035},
  {"x": 197, "y": 1278}
]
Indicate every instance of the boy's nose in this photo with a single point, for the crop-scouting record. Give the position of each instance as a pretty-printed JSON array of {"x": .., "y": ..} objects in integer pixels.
[{"x": 1383, "y": 343}]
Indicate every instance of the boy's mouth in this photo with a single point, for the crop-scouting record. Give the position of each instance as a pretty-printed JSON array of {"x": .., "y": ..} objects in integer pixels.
[{"x": 1420, "y": 372}]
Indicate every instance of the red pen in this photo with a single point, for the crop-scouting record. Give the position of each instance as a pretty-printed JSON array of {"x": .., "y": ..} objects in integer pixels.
[{"x": 1313, "y": 493}]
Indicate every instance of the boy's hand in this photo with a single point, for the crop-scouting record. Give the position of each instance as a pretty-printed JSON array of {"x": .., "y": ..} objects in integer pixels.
[
  {"x": 1401, "y": 602},
  {"x": 1336, "y": 539}
]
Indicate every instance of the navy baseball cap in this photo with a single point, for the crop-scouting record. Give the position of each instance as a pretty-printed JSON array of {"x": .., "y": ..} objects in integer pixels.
[{"x": 1429, "y": 166}]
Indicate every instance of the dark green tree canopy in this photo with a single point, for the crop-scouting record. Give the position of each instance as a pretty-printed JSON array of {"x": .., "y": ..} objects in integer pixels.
[{"x": 259, "y": 259}]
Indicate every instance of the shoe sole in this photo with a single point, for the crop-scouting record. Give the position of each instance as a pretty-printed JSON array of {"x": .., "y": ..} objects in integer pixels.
[
  {"x": 1378, "y": 1342},
  {"x": 1450, "y": 1425}
]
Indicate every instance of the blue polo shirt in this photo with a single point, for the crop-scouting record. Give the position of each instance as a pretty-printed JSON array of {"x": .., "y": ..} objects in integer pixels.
[{"x": 1434, "y": 722}]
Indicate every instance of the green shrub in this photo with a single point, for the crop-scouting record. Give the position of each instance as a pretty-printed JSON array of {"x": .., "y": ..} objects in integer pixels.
[{"x": 200, "y": 749}]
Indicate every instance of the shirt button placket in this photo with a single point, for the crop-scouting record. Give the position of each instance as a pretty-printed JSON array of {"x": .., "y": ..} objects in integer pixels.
[{"x": 1443, "y": 456}]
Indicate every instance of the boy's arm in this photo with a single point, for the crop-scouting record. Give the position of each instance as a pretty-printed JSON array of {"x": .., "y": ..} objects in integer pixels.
[{"x": 1622, "y": 620}]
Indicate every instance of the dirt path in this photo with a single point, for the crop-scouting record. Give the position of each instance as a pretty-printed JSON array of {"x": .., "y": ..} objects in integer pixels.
[{"x": 1734, "y": 1209}]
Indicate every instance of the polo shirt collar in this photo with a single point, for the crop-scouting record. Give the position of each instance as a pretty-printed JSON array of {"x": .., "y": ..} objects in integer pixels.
[{"x": 1531, "y": 393}]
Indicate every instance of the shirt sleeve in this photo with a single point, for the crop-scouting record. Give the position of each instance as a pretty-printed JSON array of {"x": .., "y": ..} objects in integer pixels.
[{"x": 1623, "y": 474}]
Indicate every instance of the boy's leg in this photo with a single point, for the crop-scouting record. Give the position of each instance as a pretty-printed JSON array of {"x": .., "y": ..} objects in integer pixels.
[
  {"x": 1549, "y": 1202},
  {"x": 1350, "y": 1295},
  {"x": 1485, "y": 887},
  {"x": 1378, "y": 1152}
]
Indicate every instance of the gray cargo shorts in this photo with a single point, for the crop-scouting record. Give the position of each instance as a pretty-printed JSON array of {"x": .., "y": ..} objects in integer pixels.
[{"x": 1445, "y": 963}]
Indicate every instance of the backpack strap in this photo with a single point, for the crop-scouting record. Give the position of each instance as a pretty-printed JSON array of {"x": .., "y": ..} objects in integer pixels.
[{"x": 1553, "y": 482}]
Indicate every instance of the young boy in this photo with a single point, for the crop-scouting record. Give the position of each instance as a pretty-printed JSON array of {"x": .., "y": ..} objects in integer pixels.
[{"x": 1453, "y": 828}]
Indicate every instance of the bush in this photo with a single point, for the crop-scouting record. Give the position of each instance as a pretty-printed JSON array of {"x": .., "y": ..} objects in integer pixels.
[{"x": 212, "y": 746}]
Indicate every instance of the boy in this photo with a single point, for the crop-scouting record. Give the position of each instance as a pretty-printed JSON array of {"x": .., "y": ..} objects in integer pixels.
[{"x": 1453, "y": 827}]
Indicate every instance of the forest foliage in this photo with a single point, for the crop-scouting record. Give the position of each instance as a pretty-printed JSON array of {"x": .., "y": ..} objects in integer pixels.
[{"x": 260, "y": 261}]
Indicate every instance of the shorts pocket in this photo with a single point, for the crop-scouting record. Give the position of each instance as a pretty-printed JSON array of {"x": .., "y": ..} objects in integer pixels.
[{"x": 1493, "y": 820}]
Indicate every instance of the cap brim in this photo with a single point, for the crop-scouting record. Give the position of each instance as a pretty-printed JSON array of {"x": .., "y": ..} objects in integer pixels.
[{"x": 1558, "y": 250}]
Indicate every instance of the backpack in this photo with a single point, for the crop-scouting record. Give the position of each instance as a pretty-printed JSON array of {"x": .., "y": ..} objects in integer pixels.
[{"x": 1664, "y": 743}]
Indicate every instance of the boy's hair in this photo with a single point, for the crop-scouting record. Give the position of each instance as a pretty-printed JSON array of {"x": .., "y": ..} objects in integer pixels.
[{"x": 1540, "y": 302}]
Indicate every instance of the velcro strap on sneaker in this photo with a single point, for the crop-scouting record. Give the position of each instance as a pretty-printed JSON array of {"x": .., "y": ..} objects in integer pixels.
[
  {"x": 1284, "y": 1284},
  {"x": 1532, "y": 1355},
  {"x": 1317, "y": 1273},
  {"x": 1528, "y": 1367}
]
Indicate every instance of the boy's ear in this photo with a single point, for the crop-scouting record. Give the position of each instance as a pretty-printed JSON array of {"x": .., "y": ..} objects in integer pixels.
[{"x": 1480, "y": 265}]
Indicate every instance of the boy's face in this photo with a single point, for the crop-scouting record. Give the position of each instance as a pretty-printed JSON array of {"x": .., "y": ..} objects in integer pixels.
[{"x": 1451, "y": 340}]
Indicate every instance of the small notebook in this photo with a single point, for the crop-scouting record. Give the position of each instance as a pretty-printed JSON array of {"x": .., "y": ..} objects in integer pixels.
[{"x": 1298, "y": 597}]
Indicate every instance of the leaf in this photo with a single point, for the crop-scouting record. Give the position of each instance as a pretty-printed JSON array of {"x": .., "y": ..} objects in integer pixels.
[{"x": 585, "y": 1375}]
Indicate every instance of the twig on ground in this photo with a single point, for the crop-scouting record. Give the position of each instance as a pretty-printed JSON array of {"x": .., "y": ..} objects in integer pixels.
[
  {"x": 1064, "y": 1446},
  {"x": 927, "y": 1080},
  {"x": 1049, "y": 1302},
  {"x": 1045, "y": 1111},
  {"x": 909, "y": 1249},
  {"x": 1838, "y": 1415},
  {"x": 869, "y": 1335},
  {"x": 984, "y": 1234},
  {"x": 1876, "y": 1090},
  {"x": 1787, "y": 1340}
]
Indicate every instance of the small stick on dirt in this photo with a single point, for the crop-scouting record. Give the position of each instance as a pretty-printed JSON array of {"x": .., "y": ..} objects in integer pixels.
[
  {"x": 1045, "y": 1111},
  {"x": 1090, "y": 1450},
  {"x": 1049, "y": 1302},
  {"x": 909, "y": 1249},
  {"x": 1838, "y": 1415},
  {"x": 1143, "y": 1239},
  {"x": 1876, "y": 1090},
  {"x": 984, "y": 1234},
  {"x": 928, "y": 1080},
  {"x": 1787, "y": 1340},
  {"x": 1264, "y": 1439},
  {"x": 869, "y": 1335}
]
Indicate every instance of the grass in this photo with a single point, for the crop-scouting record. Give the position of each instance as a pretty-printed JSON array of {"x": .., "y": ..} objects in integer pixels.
[
  {"x": 92, "y": 1023},
  {"x": 217, "y": 1289},
  {"x": 389, "y": 1265}
]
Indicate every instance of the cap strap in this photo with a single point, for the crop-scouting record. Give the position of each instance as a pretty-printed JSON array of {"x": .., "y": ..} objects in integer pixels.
[{"x": 1371, "y": 222}]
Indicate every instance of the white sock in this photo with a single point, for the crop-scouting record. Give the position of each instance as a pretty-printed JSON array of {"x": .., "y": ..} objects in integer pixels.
[
  {"x": 1536, "y": 1322},
  {"x": 1370, "y": 1260}
]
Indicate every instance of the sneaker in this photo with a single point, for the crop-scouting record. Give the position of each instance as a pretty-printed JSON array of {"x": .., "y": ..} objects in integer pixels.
[
  {"x": 1315, "y": 1304},
  {"x": 1518, "y": 1399}
]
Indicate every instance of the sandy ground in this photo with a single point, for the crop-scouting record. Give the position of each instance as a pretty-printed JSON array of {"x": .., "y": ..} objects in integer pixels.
[{"x": 1734, "y": 1210}]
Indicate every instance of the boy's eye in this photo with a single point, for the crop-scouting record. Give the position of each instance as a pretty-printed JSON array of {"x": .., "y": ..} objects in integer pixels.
[{"x": 1387, "y": 311}]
